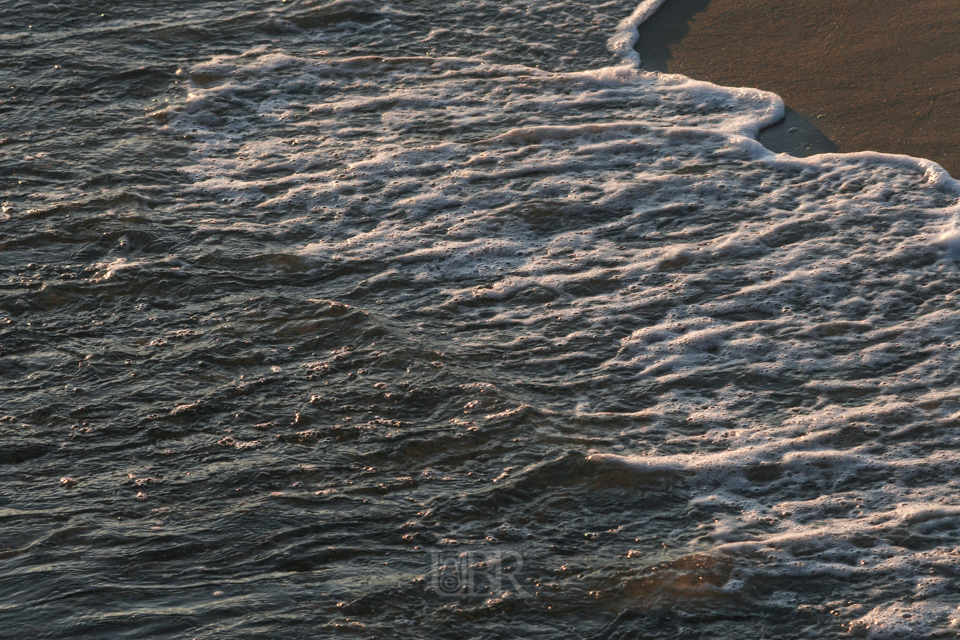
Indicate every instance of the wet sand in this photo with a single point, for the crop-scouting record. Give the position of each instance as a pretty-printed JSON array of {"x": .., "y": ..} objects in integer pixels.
[{"x": 880, "y": 75}]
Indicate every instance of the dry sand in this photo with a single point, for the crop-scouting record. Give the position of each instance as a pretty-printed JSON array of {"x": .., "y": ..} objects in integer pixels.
[{"x": 880, "y": 75}]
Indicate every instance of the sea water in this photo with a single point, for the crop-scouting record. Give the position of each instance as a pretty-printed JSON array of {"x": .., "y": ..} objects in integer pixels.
[{"x": 444, "y": 319}]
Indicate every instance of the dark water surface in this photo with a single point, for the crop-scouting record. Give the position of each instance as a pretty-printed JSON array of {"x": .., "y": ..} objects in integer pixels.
[
  {"x": 240, "y": 398},
  {"x": 168, "y": 465}
]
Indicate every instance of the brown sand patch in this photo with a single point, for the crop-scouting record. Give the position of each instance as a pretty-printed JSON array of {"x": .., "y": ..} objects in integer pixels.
[{"x": 880, "y": 75}]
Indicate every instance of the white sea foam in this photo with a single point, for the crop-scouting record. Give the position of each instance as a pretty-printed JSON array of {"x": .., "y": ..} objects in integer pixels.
[
  {"x": 798, "y": 317},
  {"x": 624, "y": 39}
]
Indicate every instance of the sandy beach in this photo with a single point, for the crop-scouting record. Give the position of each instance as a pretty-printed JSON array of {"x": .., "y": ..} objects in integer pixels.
[{"x": 878, "y": 75}]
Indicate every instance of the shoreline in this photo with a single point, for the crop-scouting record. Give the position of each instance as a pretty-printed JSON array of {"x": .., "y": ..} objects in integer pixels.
[{"x": 870, "y": 75}]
